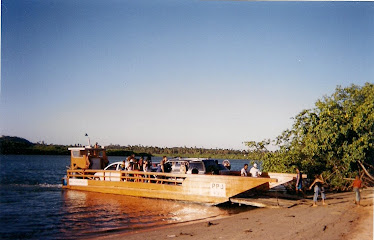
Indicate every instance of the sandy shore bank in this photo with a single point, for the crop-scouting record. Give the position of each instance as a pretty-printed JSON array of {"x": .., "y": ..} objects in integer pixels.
[{"x": 340, "y": 219}]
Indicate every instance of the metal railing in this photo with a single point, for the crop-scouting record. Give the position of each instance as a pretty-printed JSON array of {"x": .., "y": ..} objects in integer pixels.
[{"x": 127, "y": 176}]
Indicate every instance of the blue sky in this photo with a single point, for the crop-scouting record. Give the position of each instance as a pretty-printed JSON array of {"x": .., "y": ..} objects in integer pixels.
[{"x": 175, "y": 73}]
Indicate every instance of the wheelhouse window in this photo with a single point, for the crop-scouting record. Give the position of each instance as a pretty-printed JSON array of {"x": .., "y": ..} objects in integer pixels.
[{"x": 77, "y": 153}]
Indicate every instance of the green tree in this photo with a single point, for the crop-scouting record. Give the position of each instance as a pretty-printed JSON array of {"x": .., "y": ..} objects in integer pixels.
[{"x": 333, "y": 138}]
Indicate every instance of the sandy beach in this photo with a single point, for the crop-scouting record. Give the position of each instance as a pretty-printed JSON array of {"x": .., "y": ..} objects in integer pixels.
[{"x": 339, "y": 219}]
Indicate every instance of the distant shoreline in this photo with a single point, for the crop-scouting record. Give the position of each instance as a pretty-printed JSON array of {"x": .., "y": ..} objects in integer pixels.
[
  {"x": 20, "y": 146},
  {"x": 47, "y": 153}
]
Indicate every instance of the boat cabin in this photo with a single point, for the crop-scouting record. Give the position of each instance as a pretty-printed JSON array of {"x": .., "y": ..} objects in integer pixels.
[{"x": 88, "y": 158}]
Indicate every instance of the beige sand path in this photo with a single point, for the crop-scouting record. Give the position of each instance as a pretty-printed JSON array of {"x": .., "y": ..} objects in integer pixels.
[{"x": 340, "y": 219}]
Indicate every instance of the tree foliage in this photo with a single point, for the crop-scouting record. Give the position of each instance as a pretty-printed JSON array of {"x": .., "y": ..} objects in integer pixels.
[
  {"x": 183, "y": 151},
  {"x": 330, "y": 138}
]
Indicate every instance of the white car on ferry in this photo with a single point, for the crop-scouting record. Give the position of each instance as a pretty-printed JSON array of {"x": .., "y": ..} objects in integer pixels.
[{"x": 113, "y": 173}]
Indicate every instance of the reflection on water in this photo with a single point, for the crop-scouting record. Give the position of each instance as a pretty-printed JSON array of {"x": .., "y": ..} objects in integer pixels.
[
  {"x": 89, "y": 213},
  {"x": 33, "y": 205}
]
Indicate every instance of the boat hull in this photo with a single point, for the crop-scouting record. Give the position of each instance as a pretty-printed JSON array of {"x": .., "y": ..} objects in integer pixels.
[{"x": 210, "y": 189}]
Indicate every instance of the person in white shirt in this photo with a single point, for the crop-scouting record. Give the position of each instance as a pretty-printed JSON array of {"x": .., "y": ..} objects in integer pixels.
[
  {"x": 254, "y": 171},
  {"x": 244, "y": 171}
]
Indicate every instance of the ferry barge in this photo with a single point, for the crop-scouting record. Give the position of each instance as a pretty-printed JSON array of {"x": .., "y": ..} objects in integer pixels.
[{"x": 86, "y": 173}]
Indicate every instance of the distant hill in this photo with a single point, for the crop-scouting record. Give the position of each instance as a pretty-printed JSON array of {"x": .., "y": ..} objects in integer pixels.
[
  {"x": 16, "y": 140},
  {"x": 14, "y": 145},
  {"x": 17, "y": 145}
]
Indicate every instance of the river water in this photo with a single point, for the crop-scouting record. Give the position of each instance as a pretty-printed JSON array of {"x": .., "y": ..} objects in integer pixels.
[{"x": 33, "y": 204}]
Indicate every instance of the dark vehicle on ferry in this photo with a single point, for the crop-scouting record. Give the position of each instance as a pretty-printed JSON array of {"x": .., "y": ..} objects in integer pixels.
[{"x": 197, "y": 166}]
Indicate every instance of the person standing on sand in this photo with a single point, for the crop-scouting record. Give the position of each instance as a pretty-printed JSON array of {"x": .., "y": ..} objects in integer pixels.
[
  {"x": 318, "y": 188},
  {"x": 357, "y": 184},
  {"x": 299, "y": 181},
  {"x": 244, "y": 171}
]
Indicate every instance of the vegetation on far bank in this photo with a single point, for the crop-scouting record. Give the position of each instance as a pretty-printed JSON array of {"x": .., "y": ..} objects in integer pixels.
[
  {"x": 186, "y": 152},
  {"x": 17, "y": 145}
]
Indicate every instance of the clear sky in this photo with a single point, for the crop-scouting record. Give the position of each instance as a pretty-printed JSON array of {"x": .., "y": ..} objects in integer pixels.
[{"x": 174, "y": 73}]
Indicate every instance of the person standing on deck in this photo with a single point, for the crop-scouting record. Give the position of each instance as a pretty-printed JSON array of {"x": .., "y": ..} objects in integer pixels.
[
  {"x": 141, "y": 164},
  {"x": 95, "y": 152},
  {"x": 149, "y": 162},
  {"x": 254, "y": 171},
  {"x": 147, "y": 167},
  {"x": 161, "y": 167},
  {"x": 127, "y": 164},
  {"x": 227, "y": 164},
  {"x": 183, "y": 168},
  {"x": 244, "y": 171},
  {"x": 123, "y": 165},
  {"x": 131, "y": 164}
]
